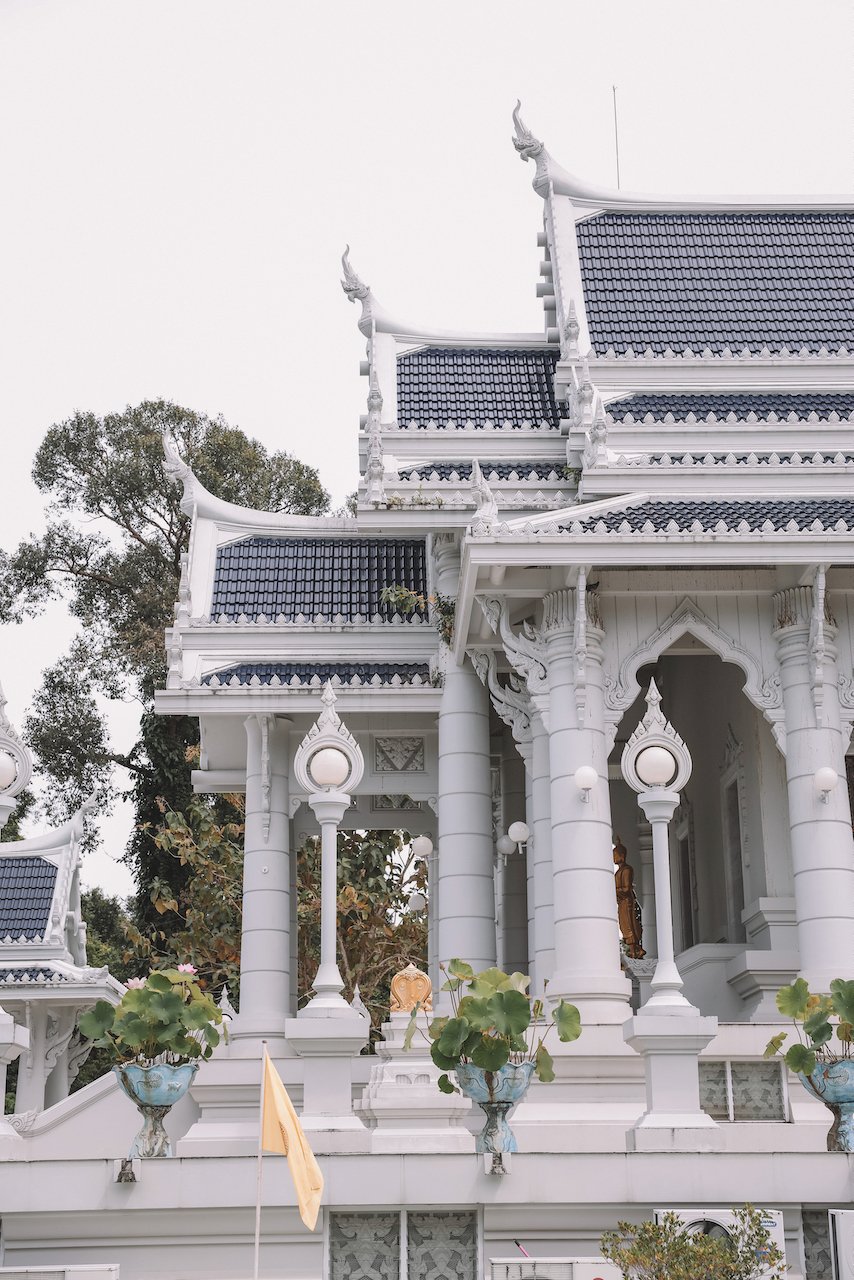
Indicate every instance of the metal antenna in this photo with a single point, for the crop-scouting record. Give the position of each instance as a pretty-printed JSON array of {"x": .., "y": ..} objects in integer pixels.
[{"x": 616, "y": 135}]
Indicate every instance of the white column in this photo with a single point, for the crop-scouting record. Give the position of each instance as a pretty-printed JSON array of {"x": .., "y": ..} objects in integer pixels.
[
  {"x": 666, "y": 986},
  {"x": 32, "y": 1071},
  {"x": 515, "y": 871},
  {"x": 265, "y": 982},
  {"x": 466, "y": 908},
  {"x": 587, "y": 952},
  {"x": 821, "y": 838},
  {"x": 544, "y": 928}
]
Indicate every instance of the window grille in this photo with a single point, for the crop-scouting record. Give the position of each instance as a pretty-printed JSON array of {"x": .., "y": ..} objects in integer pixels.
[
  {"x": 403, "y": 1245},
  {"x": 744, "y": 1092}
]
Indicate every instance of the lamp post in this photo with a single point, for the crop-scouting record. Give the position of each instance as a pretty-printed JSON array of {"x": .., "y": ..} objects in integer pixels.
[
  {"x": 657, "y": 764},
  {"x": 329, "y": 766}
]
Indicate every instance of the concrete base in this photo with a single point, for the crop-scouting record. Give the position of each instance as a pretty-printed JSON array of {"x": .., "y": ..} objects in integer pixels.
[
  {"x": 670, "y": 1047},
  {"x": 402, "y": 1102},
  {"x": 331, "y": 1044},
  {"x": 677, "y": 1138}
]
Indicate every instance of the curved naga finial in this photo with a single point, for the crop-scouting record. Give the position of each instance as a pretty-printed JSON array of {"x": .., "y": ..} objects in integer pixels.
[
  {"x": 354, "y": 287},
  {"x": 531, "y": 148},
  {"x": 486, "y": 512},
  {"x": 178, "y": 469}
]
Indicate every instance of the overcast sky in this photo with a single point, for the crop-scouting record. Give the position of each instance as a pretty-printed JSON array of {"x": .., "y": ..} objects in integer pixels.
[{"x": 179, "y": 180}]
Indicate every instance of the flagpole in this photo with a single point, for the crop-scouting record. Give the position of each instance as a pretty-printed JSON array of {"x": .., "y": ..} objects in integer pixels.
[{"x": 260, "y": 1152}]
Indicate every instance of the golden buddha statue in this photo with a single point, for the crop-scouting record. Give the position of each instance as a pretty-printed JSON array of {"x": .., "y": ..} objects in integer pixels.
[{"x": 628, "y": 907}]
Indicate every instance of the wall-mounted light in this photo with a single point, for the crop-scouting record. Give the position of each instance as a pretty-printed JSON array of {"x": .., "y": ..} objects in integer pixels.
[
  {"x": 824, "y": 781},
  {"x": 519, "y": 833},
  {"x": 422, "y": 847},
  {"x": 585, "y": 778},
  {"x": 417, "y": 904},
  {"x": 505, "y": 847}
]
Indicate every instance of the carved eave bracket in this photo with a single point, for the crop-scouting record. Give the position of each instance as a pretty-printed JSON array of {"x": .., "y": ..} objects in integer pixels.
[
  {"x": 525, "y": 650},
  {"x": 511, "y": 704}
]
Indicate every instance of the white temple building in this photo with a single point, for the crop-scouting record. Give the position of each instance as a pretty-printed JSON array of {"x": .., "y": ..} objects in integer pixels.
[{"x": 645, "y": 509}]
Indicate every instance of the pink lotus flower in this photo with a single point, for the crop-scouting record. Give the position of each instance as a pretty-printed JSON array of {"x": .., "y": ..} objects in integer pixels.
[
  {"x": 135, "y": 982},
  {"x": 186, "y": 968}
]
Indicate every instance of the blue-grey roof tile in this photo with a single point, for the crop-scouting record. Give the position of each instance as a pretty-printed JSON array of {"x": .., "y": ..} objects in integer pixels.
[
  {"x": 26, "y": 894},
  {"x": 323, "y": 671},
  {"x": 31, "y": 973},
  {"x": 684, "y": 512},
  {"x": 780, "y": 403},
  {"x": 491, "y": 470},
  {"x": 290, "y": 576},
  {"x": 715, "y": 280},
  {"x": 442, "y": 384}
]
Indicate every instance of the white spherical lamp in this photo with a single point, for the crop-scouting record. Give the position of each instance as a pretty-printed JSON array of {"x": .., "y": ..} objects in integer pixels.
[
  {"x": 824, "y": 781},
  {"x": 329, "y": 767},
  {"x": 8, "y": 771},
  {"x": 417, "y": 904},
  {"x": 422, "y": 847},
  {"x": 505, "y": 846},
  {"x": 518, "y": 832},
  {"x": 585, "y": 778},
  {"x": 656, "y": 766}
]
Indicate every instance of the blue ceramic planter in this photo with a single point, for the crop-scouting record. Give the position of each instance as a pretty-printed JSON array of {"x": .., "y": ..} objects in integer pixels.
[
  {"x": 154, "y": 1089},
  {"x": 833, "y": 1084},
  {"x": 495, "y": 1092}
]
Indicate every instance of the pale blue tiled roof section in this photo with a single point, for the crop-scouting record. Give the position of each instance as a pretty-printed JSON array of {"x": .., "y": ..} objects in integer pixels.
[
  {"x": 497, "y": 385},
  {"x": 311, "y": 576},
  {"x": 716, "y": 280},
  {"x": 780, "y": 404},
  {"x": 26, "y": 894}
]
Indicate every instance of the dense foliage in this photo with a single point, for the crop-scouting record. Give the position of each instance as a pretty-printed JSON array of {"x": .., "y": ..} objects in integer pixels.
[
  {"x": 494, "y": 1023},
  {"x": 166, "y": 1017},
  {"x": 112, "y": 551}
]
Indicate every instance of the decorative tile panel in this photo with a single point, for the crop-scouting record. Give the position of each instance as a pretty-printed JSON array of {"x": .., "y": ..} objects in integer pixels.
[
  {"x": 441, "y": 1246},
  {"x": 757, "y": 1091},
  {"x": 364, "y": 1246},
  {"x": 713, "y": 1091},
  {"x": 381, "y": 804},
  {"x": 817, "y": 1244},
  {"x": 399, "y": 755}
]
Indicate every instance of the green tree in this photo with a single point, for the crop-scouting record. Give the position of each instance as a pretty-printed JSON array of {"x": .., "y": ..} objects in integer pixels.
[
  {"x": 377, "y": 873},
  {"x": 112, "y": 551},
  {"x": 666, "y": 1250}
]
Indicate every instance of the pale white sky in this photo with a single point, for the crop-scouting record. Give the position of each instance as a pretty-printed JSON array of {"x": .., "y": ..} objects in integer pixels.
[{"x": 179, "y": 180}]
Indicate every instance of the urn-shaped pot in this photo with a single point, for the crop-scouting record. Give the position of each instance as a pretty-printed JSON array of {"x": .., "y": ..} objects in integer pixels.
[
  {"x": 833, "y": 1084},
  {"x": 155, "y": 1089},
  {"x": 496, "y": 1093}
]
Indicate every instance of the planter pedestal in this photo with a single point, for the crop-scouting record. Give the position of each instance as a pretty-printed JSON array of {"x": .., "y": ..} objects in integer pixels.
[
  {"x": 155, "y": 1090},
  {"x": 833, "y": 1084},
  {"x": 495, "y": 1092}
]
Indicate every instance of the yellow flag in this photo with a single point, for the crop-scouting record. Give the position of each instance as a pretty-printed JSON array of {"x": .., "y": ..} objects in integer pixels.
[{"x": 281, "y": 1132}]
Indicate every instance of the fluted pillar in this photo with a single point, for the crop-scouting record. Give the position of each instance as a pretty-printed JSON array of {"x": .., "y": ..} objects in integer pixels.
[
  {"x": 821, "y": 839},
  {"x": 265, "y": 952},
  {"x": 541, "y": 827},
  {"x": 586, "y": 937}
]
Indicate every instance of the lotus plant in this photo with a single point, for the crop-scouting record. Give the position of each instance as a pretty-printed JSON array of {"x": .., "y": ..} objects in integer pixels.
[
  {"x": 814, "y": 1016},
  {"x": 164, "y": 1018},
  {"x": 493, "y": 1022}
]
